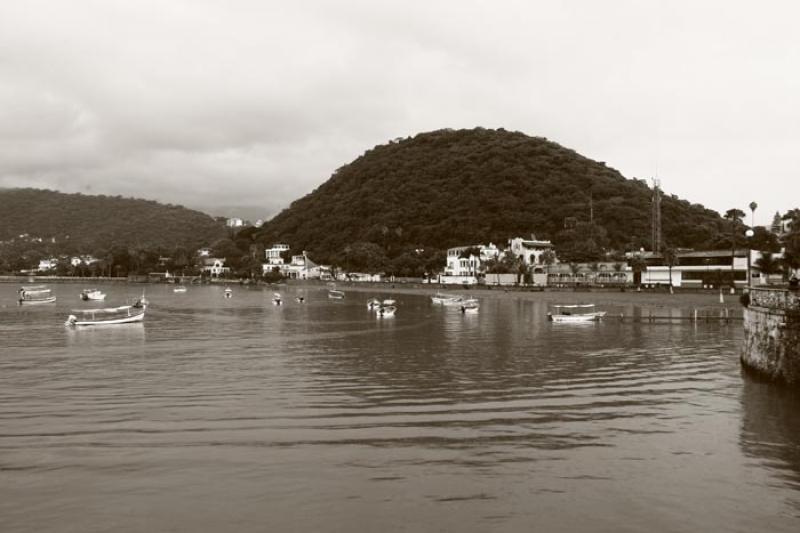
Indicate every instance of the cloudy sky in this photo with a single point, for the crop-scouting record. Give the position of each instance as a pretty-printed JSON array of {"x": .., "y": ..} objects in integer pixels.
[{"x": 255, "y": 103}]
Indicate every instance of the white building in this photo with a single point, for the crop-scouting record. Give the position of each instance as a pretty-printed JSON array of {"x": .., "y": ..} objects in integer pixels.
[
  {"x": 702, "y": 269},
  {"x": 84, "y": 259},
  {"x": 273, "y": 255},
  {"x": 204, "y": 252},
  {"x": 215, "y": 267},
  {"x": 47, "y": 264},
  {"x": 300, "y": 267},
  {"x": 234, "y": 222},
  {"x": 529, "y": 250}
]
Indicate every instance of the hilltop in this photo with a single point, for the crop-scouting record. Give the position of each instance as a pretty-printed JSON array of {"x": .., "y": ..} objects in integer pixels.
[
  {"x": 85, "y": 223},
  {"x": 448, "y": 188}
]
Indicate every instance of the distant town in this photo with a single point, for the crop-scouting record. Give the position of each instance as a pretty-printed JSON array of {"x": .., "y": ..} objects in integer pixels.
[{"x": 523, "y": 261}]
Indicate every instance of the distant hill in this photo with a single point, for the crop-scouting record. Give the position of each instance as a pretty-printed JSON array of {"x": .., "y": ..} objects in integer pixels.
[
  {"x": 87, "y": 223},
  {"x": 447, "y": 188}
]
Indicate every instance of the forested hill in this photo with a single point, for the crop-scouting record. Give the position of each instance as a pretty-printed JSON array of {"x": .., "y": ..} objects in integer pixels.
[
  {"x": 85, "y": 223},
  {"x": 448, "y": 188}
]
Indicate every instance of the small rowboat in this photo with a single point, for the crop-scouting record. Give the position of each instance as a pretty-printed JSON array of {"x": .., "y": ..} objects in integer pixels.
[
  {"x": 575, "y": 313},
  {"x": 444, "y": 299},
  {"x": 373, "y": 304},
  {"x": 125, "y": 314},
  {"x": 333, "y": 294},
  {"x": 386, "y": 311},
  {"x": 470, "y": 307},
  {"x": 300, "y": 299},
  {"x": 276, "y": 299},
  {"x": 92, "y": 295},
  {"x": 228, "y": 292},
  {"x": 179, "y": 289},
  {"x": 35, "y": 294}
]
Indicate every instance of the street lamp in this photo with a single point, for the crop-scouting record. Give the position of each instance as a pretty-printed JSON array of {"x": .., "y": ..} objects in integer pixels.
[{"x": 749, "y": 234}]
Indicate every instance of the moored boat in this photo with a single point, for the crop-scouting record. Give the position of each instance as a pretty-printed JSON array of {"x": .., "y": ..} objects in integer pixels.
[
  {"x": 180, "y": 289},
  {"x": 300, "y": 299},
  {"x": 334, "y": 294},
  {"x": 125, "y": 314},
  {"x": 575, "y": 313},
  {"x": 228, "y": 292},
  {"x": 454, "y": 301},
  {"x": 470, "y": 306},
  {"x": 373, "y": 304},
  {"x": 35, "y": 294},
  {"x": 92, "y": 295},
  {"x": 386, "y": 311},
  {"x": 276, "y": 299}
]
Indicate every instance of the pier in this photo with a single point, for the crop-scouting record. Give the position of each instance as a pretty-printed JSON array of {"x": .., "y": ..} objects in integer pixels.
[{"x": 772, "y": 334}]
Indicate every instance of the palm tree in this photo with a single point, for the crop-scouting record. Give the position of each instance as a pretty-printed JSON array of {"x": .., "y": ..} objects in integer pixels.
[
  {"x": 767, "y": 264},
  {"x": 548, "y": 257},
  {"x": 735, "y": 216},
  {"x": 574, "y": 268},
  {"x": 638, "y": 265},
  {"x": 670, "y": 259}
]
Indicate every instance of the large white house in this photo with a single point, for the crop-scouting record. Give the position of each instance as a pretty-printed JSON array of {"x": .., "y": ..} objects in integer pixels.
[
  {"x": 273, "y": 255},
  {"x": 215, "y": 267},
  {"x": 300, "y": 266},
  {"x": 529, "y": 250}
]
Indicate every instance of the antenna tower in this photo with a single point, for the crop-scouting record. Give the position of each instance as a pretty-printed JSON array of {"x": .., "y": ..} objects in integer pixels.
[{"x": 656, "y": 215}]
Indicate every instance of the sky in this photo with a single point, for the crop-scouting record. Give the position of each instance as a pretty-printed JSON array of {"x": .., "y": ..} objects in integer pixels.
[{"x": 247, "y": 105}]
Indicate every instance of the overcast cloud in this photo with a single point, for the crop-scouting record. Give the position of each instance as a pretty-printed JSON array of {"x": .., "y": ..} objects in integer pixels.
[{"x": 247, "y": 103}]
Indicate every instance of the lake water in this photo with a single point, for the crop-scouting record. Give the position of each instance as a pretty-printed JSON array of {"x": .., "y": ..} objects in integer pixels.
[{"x": 237, "y": 415}]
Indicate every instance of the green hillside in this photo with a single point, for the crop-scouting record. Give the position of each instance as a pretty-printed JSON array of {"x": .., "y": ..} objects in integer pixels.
[
  {"x": 448, "y": 188},
  {"x": 83, "y": 224}
]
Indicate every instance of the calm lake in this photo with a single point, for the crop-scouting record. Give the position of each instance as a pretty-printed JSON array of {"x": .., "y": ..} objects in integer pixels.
[{"x": 236, "y": 415}]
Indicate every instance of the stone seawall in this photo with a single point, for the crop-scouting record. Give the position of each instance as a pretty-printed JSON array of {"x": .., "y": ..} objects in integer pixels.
[{"x": 772, "y": 335}]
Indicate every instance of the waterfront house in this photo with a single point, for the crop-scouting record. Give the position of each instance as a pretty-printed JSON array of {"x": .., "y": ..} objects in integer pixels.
[
  {"x": 700, "y": 269},
  {"x": 273, "y": 255},
  {"x": 215, "y": 267},
  {"x": 47, "y": 264}
]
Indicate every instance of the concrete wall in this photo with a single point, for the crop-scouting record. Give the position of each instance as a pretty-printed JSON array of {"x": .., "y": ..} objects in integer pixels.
[{"x": 772, "y": 335}]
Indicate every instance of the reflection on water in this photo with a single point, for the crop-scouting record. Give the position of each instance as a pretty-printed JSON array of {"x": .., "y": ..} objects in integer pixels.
[
  {"x": 219, "y": 414},
  {"x": 771, "y": 428}
]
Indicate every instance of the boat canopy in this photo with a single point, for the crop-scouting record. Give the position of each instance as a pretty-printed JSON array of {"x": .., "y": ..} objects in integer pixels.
[
  {"x": 34, "y": 288},
  {"x": 107, "y": 310}
]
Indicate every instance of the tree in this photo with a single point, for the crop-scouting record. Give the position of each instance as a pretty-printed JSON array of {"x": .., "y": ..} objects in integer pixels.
[
  {"x": 638, "y": 265},
  {"x": 671, "y": 260},
  {"x": 735, "y": 216},
  {"x": 548, "y": 257},
  {"x": 768, "y": 265}
]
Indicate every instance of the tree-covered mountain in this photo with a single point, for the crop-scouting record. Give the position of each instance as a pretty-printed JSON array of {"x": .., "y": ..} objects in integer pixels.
[
  {"x": 448, "y": 188},
  {"x": 83, "y": 224}
]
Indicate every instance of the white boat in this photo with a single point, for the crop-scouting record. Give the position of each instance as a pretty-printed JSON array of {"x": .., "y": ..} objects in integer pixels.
[
  {"x": 125, "y": 314},
  {"x": 333, "y": 294},
  {"x": 35, "y": 294},
  {"x": 276, "y": 299},
  {"x": 92, "y": 295},
  {"x": 440, "y": 298},
  {"x": 300, "y": 299},
  {"x": 373, "y": 304},
  {"x": 386, "y": 311},
  {"x": 470, "y": 306},
  {"x": 180, "y": 289},
  {"x": 454, "y": 301},
  {"x": 389, "y": 302},
  {"x": 575, "y": 313},
  {"x": 228, "y": 292}
]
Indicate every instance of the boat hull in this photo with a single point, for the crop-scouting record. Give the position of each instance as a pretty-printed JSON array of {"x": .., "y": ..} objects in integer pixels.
[
  {"x": 588, "y": 317},
  {"x": 49, "y": 300},
  {"x": 120, "y": 320}
]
